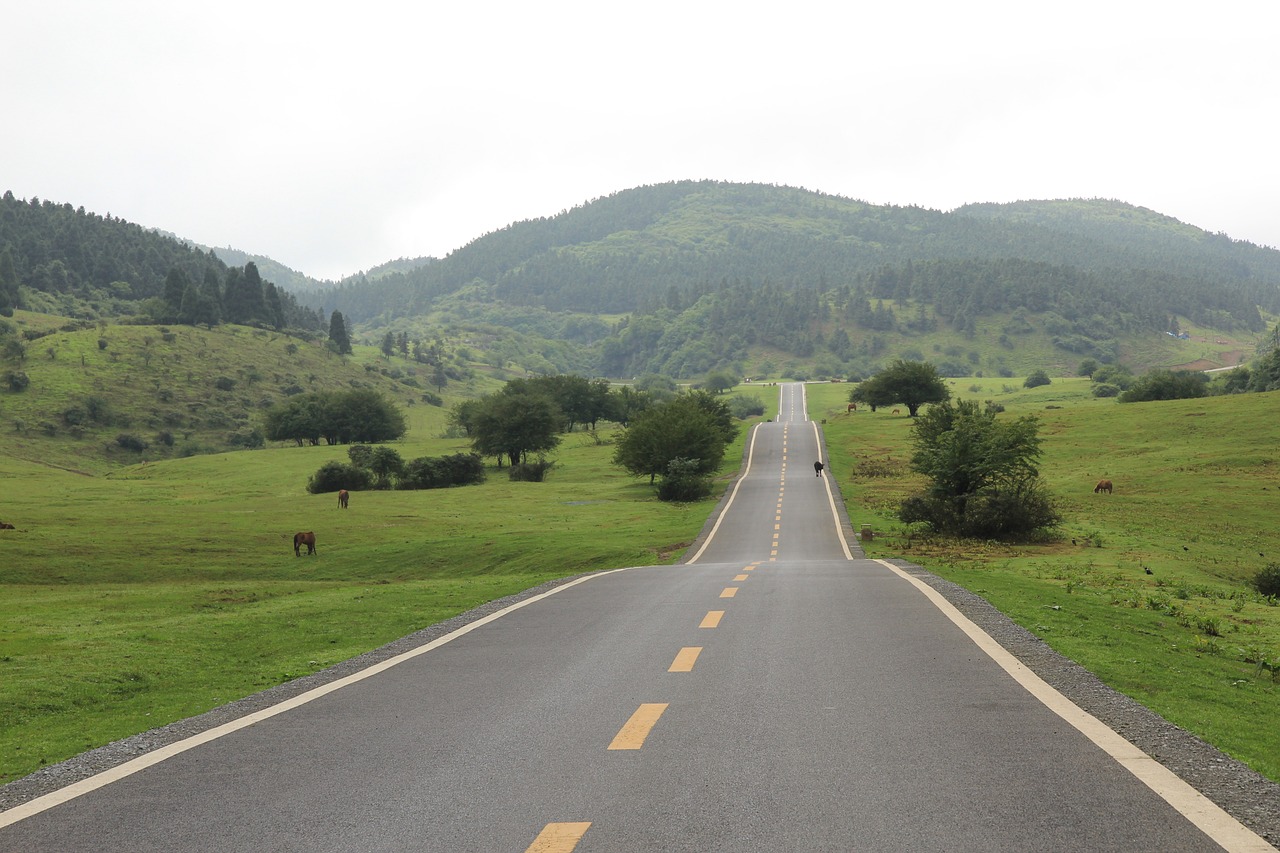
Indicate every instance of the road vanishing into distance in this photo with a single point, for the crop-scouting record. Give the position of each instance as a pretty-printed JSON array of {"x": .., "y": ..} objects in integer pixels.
[{"x": 777, "y": 692}]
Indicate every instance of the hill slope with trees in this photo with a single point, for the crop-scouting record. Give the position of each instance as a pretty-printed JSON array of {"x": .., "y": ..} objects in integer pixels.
[
  {"x": 706, "y": 274},
  {"x": 689, "y": 277}
]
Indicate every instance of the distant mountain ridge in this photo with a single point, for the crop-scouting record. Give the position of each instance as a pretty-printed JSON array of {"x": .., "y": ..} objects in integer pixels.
[
  {"x": 624, "y": 252},
  {"x": 684, "y": 277}
]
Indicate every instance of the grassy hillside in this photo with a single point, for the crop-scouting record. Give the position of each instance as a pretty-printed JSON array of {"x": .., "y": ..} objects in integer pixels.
[
  {"x": 179, "y": 390},
  {"x": 1197, "y": 487}
]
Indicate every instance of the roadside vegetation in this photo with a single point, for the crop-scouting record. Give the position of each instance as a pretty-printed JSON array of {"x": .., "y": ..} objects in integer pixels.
[
  {"x": 1155, "y": 588},
  {"x": 153, "y": 591}
]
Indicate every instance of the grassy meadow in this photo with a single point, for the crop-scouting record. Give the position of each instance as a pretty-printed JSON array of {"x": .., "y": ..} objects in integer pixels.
[
  {"x": 1197, "y": 495},
  {"x": 160, "y": 590}
]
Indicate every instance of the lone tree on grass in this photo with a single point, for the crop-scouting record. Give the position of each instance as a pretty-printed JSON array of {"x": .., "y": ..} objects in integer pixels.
[
  {"x": 682, "y": 439},
  {"x": 513, "y": 424},
  {"x": 911, "y": 383},
  {"x": 985, "y": 483}
]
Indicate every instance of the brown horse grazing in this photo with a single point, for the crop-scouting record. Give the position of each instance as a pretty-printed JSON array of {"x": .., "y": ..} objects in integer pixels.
[
  {"x": 4, "y": 525},
  {"x": 342, "y": 498},
  {"x": 853, "y": 407},
  {"x": 300, "y": 539},
  {"x": 1103, "y": 486}
]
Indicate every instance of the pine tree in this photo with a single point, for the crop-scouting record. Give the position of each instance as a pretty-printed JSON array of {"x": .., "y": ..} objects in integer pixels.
[
  {"x": 8, "y": 284},
  {"x": 338, "y": 339}
]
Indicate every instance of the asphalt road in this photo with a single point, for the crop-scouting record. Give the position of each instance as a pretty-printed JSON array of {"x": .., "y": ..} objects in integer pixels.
[{"x": 778, "y": 692}]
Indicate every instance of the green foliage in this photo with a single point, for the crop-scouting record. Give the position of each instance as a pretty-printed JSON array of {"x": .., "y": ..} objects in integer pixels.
[
  {"x": 1113, "y": 374},
  {"x": 514, "y": 423},
  {"x": 82, "y": 264},
  {"x": 1267, "y": 580},
  {"x": 746, "y": 406},
  {"x": 984, "y": 479},
  {"x": 17, "y": 380},
  {"x": 1166, "y": 385},
  {"x": 717, "y": 382},
  {"x": 426, "y": 472},
  {"x": 337, "y": 417},
  {"x": 385, "y": 463},
  {"x": 530, "y": 472},
  {"x": 333, "y": 476},
  {"x": 338, "y": 337},
  {"x": 911, "y": 383},
  {"x": 1264, "y": 372},
  {"x": 1035, "y": 379},
  {"x": 129, "y": 441},
  {"x": 694, "y": 427},
  {"x": 684, "y": 481}
]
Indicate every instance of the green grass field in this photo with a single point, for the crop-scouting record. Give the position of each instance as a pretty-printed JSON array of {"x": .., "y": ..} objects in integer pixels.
[
  {"x": 1197, "y": 489},
  {"x": 162, "y": 590}
]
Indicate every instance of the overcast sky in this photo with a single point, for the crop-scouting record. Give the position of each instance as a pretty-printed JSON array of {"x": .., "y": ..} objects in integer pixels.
[{"x": 335, "y": 136}]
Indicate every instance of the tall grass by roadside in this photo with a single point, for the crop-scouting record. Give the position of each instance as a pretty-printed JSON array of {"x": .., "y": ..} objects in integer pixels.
[{"x": 1197, "y": 490}]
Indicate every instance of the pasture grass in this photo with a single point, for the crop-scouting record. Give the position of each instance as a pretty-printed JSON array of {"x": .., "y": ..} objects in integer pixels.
[
  {"x": 159, "y": 591},
  {"x": 1197, "y": 488}
]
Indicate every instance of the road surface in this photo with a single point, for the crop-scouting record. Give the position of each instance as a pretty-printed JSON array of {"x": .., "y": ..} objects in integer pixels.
[{"x": 777, "y": 692}]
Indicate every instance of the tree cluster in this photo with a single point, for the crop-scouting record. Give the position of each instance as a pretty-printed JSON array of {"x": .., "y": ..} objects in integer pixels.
[
  {"x": 383, "y": 468},
  {"x": 911, "y": 383},
  {"x": 1166, "y": 385},
  {"x": 334, "y": 417},
  {"x": 84, "y": 265}
]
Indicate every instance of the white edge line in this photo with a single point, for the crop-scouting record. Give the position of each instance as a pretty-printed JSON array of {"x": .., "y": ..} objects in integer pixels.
[
  {"x": 142, "y": 762},
  {"x": 751, "y": 453},
  {"x": 831, "y": 499},
  {"x": 1234, "y": 836}
]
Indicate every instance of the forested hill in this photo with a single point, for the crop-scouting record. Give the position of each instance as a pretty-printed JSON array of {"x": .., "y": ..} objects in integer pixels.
[
  {"x": 640, "y": 249},
  {"x": 59, "y": 259}
]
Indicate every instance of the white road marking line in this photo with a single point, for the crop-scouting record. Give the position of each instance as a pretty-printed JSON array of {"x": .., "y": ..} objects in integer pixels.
[{"x": 1234, "y": 836}]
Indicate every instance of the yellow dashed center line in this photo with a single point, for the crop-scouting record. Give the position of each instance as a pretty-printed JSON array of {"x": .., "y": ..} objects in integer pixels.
[
  {"x": 729, "y": 592},
  {"x": 712, "y": 619},
  {"x": 685, "y": 659},
  {"x": 636, "y": 729},
  {"x": 740, "y": 577},
  {"x": 558, "y": 837}
]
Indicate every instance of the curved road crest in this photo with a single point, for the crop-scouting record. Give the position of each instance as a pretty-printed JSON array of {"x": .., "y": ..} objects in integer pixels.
[{"x": 777, "y": 692}]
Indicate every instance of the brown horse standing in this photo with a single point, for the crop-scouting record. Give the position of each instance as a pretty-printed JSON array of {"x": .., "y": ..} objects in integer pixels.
[
  {"x": 300, "y": 539},
  {"x": 1103, "y": 486},
  {"x": 853, "y": 407},
  {"x": 342, "y": 498}
]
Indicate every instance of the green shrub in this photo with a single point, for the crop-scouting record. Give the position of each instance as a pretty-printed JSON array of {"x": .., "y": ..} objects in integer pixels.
[
  {"x": 427, "y": 472},
  {"x": 17, "y": 380},
  {"x": 1267, "y": 581},
  {"x": 1036, "y": 379},
  {"x": 744, "y": 406},
  {"x": 684, "y": 482},
  {"x": 129, "y": 441},
  {"x": 530, "y": 472},
  {"x": 333, "y": 476}
]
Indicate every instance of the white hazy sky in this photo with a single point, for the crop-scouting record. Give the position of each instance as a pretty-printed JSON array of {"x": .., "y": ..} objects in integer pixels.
[{"x": 335, "y": 136}]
